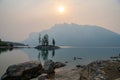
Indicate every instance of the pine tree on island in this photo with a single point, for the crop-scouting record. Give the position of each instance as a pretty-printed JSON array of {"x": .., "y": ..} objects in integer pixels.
[
  {"x": 0, "y": 40},
  {"x": 39, "y": 39},
  {"x": 53, "y": 42},
  {"x": 44, "y": 42}
]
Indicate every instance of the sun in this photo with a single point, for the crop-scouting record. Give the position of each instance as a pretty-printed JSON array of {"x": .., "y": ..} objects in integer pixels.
[{"x": 61, "y": 9}]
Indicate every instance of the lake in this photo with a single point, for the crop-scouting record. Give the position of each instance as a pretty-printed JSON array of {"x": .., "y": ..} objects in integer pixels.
[{"x": 65, "y": 54}]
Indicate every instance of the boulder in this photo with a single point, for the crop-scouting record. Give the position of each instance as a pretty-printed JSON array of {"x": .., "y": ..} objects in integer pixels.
[
  {"x": 59, "y": 64},
  {"x": 49, "y": 66},
  {"x": 23, "y": 71}
]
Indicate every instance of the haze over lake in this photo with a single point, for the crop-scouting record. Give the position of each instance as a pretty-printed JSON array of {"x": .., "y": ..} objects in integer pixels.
[{"x": 74, "y": 32}]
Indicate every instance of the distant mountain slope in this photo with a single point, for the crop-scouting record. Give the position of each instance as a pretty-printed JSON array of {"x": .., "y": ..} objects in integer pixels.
[
  {"x": 15, "y": 43},
  {"x": 78, "y": 35},
  {"x": 8, "y": 43}
]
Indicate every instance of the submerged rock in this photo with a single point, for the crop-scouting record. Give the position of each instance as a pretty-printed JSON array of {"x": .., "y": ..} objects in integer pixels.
[
  {"x": 66, "y": 61},
  {"x": 77, "y": 58},
  {"x": 23, "y": 71}
]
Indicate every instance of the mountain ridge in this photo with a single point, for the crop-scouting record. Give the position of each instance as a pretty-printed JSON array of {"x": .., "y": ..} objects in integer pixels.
[{"x": 78, "y": 35}]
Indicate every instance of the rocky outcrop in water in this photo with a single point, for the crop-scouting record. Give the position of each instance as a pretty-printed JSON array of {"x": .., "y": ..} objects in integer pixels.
[{"x": 31, "y": 69}]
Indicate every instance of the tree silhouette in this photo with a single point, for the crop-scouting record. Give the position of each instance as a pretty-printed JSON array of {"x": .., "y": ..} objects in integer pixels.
[
  {"x": 0, "y": 40},
  {"x": 53, "y": 42},
  {"x": 39, "y": 39},
  {"x": 45, "y": 40}
]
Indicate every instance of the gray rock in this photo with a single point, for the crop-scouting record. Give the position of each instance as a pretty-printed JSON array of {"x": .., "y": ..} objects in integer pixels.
[
  {"x": 49, "y": 66},
  {"x": 26, "y": 70}
]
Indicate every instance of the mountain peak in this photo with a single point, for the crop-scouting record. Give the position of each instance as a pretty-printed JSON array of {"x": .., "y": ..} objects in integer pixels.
[{"x": 79, "y": 35}]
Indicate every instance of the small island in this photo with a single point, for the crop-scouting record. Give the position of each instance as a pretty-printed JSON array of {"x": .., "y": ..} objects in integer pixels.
[{"x": 44, "y": 43}]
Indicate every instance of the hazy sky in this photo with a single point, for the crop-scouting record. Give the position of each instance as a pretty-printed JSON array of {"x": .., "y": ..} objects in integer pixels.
[{"x": 18, "y": 18}]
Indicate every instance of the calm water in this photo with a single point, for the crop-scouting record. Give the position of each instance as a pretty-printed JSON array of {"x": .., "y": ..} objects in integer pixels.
[{"x": 15, "y": 56}]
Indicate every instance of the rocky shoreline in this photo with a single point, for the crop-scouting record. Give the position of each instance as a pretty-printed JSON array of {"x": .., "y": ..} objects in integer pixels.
[
  {"x": 101, "y": 70},
  {"x": 97, "y": 70},
  {"x": 31, "y": 69}
]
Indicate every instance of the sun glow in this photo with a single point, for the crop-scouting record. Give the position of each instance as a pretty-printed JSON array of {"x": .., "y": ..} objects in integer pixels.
[{"x": 61, "y": 9}]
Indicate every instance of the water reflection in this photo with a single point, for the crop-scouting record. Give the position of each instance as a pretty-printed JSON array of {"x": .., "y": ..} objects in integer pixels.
[
  {"x": 45, "y": 54},
  {"x": 5, "y": 50},
  {"x": 53, "y": 53},
  {"x": 20, "y": 55},
  {"x": 10, "y": 57}
]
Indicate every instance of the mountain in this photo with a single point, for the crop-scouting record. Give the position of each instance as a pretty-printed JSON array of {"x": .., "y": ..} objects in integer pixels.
[
  {"x": 15, "y": 43},
  {"x": 8, "y": 43},
  {"x": 78, "y": 35}
]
